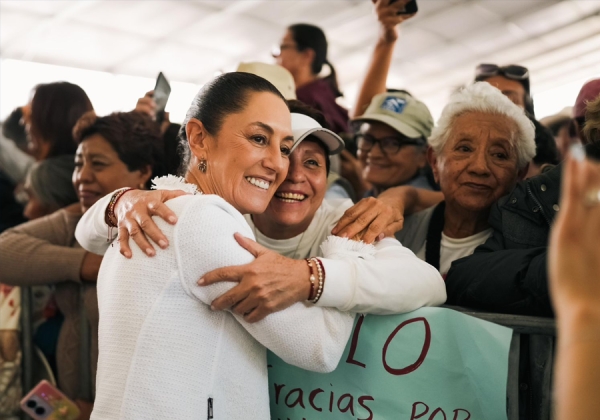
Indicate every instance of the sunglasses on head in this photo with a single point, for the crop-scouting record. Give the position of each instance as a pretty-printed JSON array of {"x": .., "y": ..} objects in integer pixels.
[
  {"x": 389, "y": 145},
  {"x": 512, "y": 71}
]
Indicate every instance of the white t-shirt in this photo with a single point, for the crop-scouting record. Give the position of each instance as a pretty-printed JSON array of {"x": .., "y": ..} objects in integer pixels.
[
  {"x": 453, "y": 249},
  {"x": 308, "y": 243}
]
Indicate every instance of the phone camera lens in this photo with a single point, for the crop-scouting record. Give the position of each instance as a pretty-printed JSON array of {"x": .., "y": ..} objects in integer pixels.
[
  {"x": 40, "y": 411},
  {"x": 31, "y": 403}
]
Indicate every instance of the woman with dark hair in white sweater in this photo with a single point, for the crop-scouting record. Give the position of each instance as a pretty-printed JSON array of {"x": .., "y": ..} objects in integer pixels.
[{"x": 163, "y": 352}]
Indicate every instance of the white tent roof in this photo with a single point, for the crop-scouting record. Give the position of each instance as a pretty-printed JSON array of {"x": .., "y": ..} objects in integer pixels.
[{"x": 559, "y": 41}]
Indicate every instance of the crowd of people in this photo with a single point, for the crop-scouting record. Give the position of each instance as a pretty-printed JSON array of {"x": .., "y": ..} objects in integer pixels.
[{"x": 272, "y": 215}]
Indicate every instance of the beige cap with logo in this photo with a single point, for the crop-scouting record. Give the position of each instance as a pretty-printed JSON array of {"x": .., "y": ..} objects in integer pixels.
[
  {"x": 400, "y": 111},
  {"x": 281, "y": 78}
]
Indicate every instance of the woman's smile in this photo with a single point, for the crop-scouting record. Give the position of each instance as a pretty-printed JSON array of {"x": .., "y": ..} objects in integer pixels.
[
  {"x": 290, "y": 196},
  {"x": 258, "y": 182}
]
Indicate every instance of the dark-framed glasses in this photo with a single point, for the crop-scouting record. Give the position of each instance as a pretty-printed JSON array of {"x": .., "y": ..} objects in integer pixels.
[
  {"x": 511, "y": 71},
  {"x": 389, "y": 145}
]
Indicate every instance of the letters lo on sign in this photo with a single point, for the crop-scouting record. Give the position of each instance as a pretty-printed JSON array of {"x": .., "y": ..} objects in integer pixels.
[{"x": 430, "y": 364}]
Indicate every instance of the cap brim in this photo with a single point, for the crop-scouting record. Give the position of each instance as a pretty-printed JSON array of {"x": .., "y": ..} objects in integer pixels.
[
  {"x": 333, "y": 142},
  {"x": 397, "y": 125}
]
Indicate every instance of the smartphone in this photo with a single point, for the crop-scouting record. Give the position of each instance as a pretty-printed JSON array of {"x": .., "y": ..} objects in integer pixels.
[
  {"x": 410, "y": 8},
  {"x": 45, "y": 402},
  {"x": 162, "y": 90}
]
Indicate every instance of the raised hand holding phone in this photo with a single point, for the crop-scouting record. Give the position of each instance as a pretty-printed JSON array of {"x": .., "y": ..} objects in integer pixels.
[
  {"x": 146, "y": 105},
  {"x": 391, "y": 13}
]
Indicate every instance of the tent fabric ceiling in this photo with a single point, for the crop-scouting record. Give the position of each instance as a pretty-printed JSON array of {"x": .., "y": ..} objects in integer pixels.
[{"x": 191, "y": 41}]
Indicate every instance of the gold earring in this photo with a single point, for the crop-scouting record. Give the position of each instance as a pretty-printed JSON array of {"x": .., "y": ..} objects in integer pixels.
[{"x": 203, "y": 166}]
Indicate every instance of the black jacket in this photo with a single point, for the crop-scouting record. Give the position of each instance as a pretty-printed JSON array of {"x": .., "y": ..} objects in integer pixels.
[{"x": 508, "y": 272}]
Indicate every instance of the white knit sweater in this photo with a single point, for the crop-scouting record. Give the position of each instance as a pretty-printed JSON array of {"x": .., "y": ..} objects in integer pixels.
[{"x": 164, "y": 353}]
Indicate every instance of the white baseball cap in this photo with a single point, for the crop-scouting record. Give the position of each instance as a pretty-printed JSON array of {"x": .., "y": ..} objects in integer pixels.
[{"x": 304, "y": 126}]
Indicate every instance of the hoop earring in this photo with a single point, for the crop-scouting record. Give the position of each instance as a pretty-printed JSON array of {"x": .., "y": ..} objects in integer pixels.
[{"x": 203, "y": 166}]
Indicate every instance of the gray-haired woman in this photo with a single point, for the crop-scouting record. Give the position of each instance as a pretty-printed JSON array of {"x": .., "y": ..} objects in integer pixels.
[{"x": 480, "y": 148}]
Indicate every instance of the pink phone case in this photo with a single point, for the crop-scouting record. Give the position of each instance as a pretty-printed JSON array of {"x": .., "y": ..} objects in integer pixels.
[{"x": 45, "y": 402}]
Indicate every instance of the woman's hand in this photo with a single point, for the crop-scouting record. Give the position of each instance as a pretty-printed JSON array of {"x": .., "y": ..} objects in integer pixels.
[
  {"x": 146, "y": 105},
  {"x": 574, "y": 254},
  {"x": 268, "y": 284},
  {"x": 134, "y": 212},
  {"x": 389, "y": 19},
  {"x": 574, "y": 264},
  {"x": 369, "y": 219},
  {"x": 90, "y": 267}
]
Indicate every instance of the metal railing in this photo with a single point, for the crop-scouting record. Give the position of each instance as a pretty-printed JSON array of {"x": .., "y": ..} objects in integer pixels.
[
  {"x": 531, "y": 359},
  {"x": 530, "y": 364}
]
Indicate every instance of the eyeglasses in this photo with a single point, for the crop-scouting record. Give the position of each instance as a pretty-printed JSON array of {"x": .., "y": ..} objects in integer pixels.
[
  {"x": 276, "y": 51},
  {"x": 389, "y": 145},
  {"x": 511, "y": 71}
]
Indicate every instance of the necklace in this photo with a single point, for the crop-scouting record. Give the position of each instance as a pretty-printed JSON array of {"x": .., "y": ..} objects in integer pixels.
[{"x": 295, "y": 255}]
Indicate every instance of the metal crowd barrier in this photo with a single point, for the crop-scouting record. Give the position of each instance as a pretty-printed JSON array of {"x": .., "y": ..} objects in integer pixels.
[
  {"x": 531, "y": 355},
  {"x": 531, "y": 358}
]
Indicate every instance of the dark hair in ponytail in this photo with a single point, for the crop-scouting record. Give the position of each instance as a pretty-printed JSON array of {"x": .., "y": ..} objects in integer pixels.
[
  {"x": 224, "y": 95},
  {"x": 310, "y": 36}
]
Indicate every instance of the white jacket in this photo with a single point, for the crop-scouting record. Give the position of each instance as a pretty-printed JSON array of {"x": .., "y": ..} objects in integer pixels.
[{"x": 164, "y": 354}]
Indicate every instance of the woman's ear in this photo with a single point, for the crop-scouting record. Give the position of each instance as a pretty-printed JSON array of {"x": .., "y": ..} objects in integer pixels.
[
  {"x": 197, "y": 137},
  {"x": 433, "y": 162}
]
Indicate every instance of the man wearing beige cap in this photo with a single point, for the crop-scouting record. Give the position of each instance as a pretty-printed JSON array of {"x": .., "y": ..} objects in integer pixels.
[{"x": 392, "y": 140}]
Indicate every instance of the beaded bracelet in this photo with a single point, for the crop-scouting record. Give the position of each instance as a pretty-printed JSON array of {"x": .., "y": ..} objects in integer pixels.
[
  {"x": 323, "y": 269},
  {"x": 320, "y": 271},
  {"x": 110, "y": 209},
  {"x": 312, "y": 279}
]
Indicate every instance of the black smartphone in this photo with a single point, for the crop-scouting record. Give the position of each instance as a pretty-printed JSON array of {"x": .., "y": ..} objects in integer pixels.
[
  {"x": 162, "y": 90},
  {"x": 410, "y": 8}
]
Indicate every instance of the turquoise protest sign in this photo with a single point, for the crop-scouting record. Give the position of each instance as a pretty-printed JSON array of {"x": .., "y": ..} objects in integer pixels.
[{"x": 430, "y": 364}]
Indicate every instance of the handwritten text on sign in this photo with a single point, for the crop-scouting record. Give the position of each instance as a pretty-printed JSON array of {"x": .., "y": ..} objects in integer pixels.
[{"x": 431, "y": 364}]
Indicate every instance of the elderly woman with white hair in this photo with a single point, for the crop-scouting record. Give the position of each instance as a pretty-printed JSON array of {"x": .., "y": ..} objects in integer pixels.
[{"x": 479, "y": 150}]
